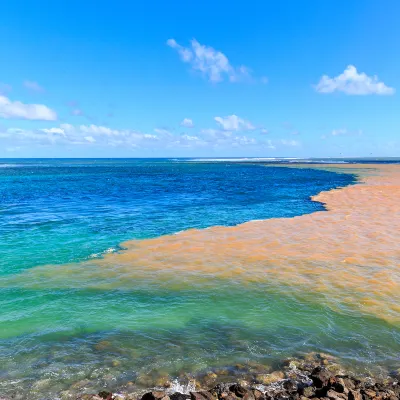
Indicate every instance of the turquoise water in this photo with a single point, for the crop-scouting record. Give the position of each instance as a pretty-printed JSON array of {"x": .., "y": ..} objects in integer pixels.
[{"x": 55, "y": 212}]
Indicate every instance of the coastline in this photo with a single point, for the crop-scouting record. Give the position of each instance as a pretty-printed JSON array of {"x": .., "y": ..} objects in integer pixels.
[{"x": 313, "y": 376}]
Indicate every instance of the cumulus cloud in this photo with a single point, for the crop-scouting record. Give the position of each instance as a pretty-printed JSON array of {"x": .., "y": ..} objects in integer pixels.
[
  {"x": 234, "y": 123},
  {"x": 341, "y": 132},
  {"x": 18, "y": 110},
  {"x": 353, "y": 83},
  {"x": 90, "y": 139},
  {"x": 102, "y": 136},
  {"x": 33, "y": 86},
  {"x": 264, "y": 131},
  {"x": 187, "y": 123},
  {"x": 213, "y": 64}
]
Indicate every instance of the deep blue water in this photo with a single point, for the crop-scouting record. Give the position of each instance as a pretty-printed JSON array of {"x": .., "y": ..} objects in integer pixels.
[{"x": 58, "y": 211}]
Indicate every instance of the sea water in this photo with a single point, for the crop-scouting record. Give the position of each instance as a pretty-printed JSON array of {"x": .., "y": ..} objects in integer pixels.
[{"x": 102, "y": 329}]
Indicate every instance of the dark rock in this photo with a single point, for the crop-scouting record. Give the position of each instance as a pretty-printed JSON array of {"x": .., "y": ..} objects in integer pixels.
[
  {"x": 339, "y": 386},
  {"x": 155, "y": 396},
  {"x": 179, "y": 396},
  {"x": 290, "y": 386},
  {"x": 368, "y": 394},
  {"x": 105, "y": 395},
  {"x": 220, "y": 389},
  {"x": 354, "y": 395},
  {"x": 203, "y": 395},
  {"x": 239, "y": 390},
  {"x": 320, "y": 376}
]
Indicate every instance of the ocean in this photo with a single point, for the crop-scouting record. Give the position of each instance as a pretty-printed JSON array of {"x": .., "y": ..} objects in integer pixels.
[{"x": 76, "y": 313}]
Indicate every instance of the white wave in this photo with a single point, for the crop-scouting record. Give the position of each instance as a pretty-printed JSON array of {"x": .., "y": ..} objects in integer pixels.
[
  {"x": 244, "y": 159},
  {"x": 176, "y": 386},
  {"x": 107, "y": 251}
]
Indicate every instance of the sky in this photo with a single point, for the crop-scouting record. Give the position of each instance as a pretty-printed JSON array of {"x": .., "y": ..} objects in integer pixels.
[{"x": 199, "y": 79}]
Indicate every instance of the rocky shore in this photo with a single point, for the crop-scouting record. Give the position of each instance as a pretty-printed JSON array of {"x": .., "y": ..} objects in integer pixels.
[{"x": 312, "y": 377}]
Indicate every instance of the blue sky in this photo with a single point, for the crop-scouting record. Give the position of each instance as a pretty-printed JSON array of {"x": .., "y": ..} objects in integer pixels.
[{"x": 183, "y": 78}]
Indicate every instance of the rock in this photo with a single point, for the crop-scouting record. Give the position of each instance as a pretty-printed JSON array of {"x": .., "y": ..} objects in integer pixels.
[
  {"x": 368, "y": 393},
  {"x": 320, "y": 376},
  {"x": 290, "y": 386},
  {"x": 103, "y": 345},
  {"x": 156, "y": 395},
  {"x": 258, "y": 395},
  {"x": 339, "y": 386},
  {"x": 249, "y": 395},
  {"x": 163, "y": 381},
  {"x": 116, "y": 363},
  {"x": 105, "y": 395},
  {"x": 210, "y": 378},
  {"x": 308, "y": 391},
  {"x": 239, "y": 390},
  {"x": 354, "y": 395},
  {"x": 179, "y": 396},
  {"x": 203, "y": 395},
  {"x": 267, "y": 379},
  {"x": 332, "y": 395}
]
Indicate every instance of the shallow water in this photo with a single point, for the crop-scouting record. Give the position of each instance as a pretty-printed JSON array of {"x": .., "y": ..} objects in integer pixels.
[{"x": 199, "y": 299}]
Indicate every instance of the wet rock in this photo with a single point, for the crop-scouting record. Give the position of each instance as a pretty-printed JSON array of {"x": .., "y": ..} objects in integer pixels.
[
  {"x": 221, "y": 388},
  {"x": 203, "y": 395},
  {"x": 210, "y": 378},
  {"x": 308, "y": 391},
  {"x": 368, "y": 394},
  {"x": 267, "y": 379},
  {"x": 354, "y": 395},
  {"x": 333, "y": 395},
  {"x": 104, "y": 394},
  {"x": 103, "y": 345},
  {"x": 290, "y": 386},
  {"x": 258, "y": 394},
  {"x": 89, "y": 397},
  {"x": 163, "y": 381},
  {"x": 320, "y": 376},
  {"x": 339, "y": 385},
  {"x": 239, "y": 390},
  {"x": 179, "y": 396},
  {"x": 156, "y": 395}
]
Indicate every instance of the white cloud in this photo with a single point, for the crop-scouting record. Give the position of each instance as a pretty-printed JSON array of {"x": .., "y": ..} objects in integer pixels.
[
  {"x": 187, "y": 123},
  {"x": 342, "y": 132},
  {"x": 101, "y": 130},
  {"x": 353, "y": 83},
  {"x": 33, "y": 86},
  {"x": 213, "y": 64},
  {"x": 17, "y": 110},
  {"x": 291, "y": 143},
  {"x": 102, "y": 136},
  {"x": 58, "y": 131},
  {"x": 264, "y": 80},
  {"x": 264, "y": 131},
  {"x": 234, "y": 123},
  {"x": 337, "y": 132},
  {"x": 162, "y": 131}
]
